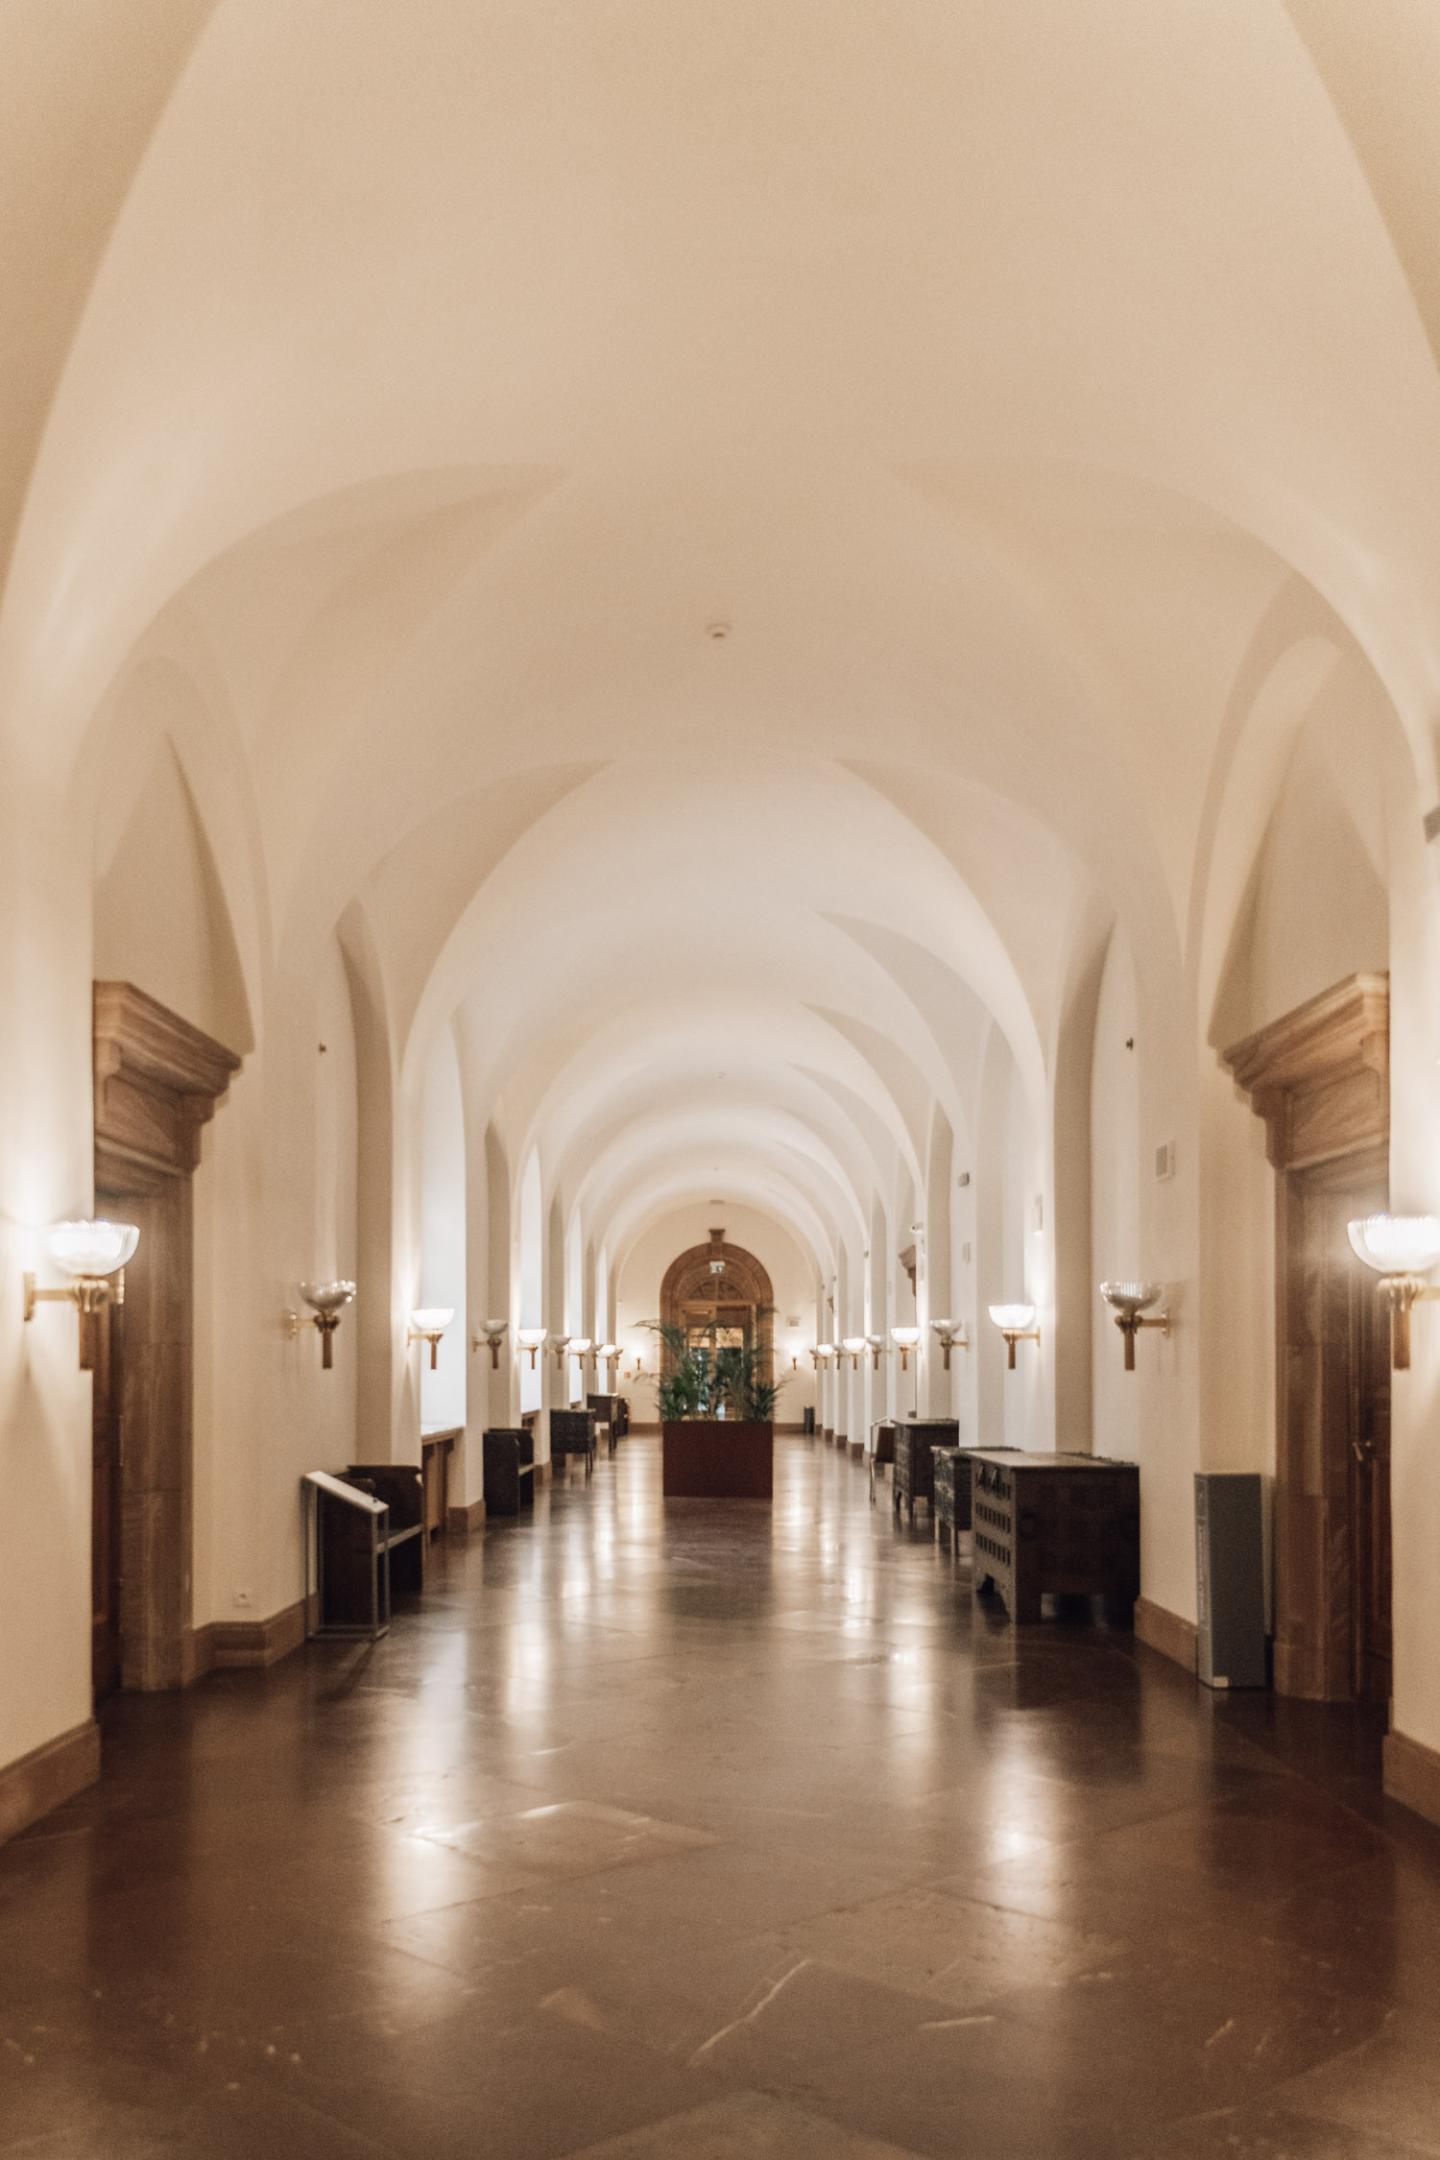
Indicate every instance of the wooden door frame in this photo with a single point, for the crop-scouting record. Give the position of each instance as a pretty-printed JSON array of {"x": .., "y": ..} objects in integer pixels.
[
  {"x": 688, "y": 1281},
  {"x": 1320, "y": 1079},
  {"x": 158, "y": 1081}
]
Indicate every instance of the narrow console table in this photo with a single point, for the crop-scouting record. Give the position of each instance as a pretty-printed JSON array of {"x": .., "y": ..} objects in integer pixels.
[
  {"x": 509, "y": 1470},
  {"x": 916, "y": 1440},
  {"x": 1062, "y": 1525}
]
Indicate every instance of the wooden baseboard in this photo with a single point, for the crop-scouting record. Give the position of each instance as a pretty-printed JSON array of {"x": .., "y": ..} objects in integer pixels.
[
  {"x": 47, "y": 1777},
  {"x": 460, "y": 1521},
  {"x": 246, "y": 1645},
  {"x": 1412, "y": 1775},
  {"x": 1165, "y": 1631}
]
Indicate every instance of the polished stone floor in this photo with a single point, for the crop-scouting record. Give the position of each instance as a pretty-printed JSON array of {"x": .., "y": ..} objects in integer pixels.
[{"x": 707, "y": 1832}]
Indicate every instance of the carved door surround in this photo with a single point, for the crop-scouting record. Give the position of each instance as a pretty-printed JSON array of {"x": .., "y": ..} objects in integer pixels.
[
  {"x": 1320, "y": 1079},
  {"x": 691, "y": 1286},
  {"x": 158, "y": 1081}
]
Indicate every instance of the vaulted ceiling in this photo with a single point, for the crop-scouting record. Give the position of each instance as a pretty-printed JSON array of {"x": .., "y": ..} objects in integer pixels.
[{"x": 1018, "y": 389}]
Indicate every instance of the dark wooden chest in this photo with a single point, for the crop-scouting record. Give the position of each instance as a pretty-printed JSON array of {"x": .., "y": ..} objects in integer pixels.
[
  {"x": 1058, "y": 1525},
  {"x": 572, "y": 1432},
  {"x": 916, "y": 1440}
]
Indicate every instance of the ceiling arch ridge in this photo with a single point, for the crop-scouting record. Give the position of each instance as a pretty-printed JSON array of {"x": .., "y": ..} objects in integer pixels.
[
  {"x": 1301, "y": 658},
  {"x": 640, "y": 1054},
  {"x": 683, "y": 1161},
  {"x": 1333, "y": 548},
  {"x": 330, "y": 605},
  {"x": 653, "y": 1202},
  {"x": 954, "y": 1011},
  {"x": 87, "y": 63},
  {"x": 748, "y": 1085},
  {"x": 884, "y": 1144},
  {"x": 692, "y": 1129},
  {"x": 903, "y": 1079},
  {"x": 760, "y": 1027}
]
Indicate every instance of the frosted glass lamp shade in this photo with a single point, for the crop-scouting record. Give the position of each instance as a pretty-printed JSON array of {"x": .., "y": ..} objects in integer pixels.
[
  {"x": 1130, "y": 1298},
  {"x": 327, "y": 1297},
  {"x": 531, "y": 1338},
  {"x": 907, "y": 1337},
  {"x": 608, "y": 1350},
  {"x": 579, "y": 1346},
  {"x": 431, "y": 1319},
  {"x": 853, "y": 1344},
  {"x": 1016, "y": 1318},
  {"x": 92, "y": 1248},
  {"x": 825, "y": 1349},
  {"x": 1397, "y": 1244},
  {"x": 496, "y": 1327}
]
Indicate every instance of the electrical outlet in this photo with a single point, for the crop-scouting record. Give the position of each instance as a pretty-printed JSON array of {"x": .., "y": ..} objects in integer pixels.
[{"x": 244, "y": 1600}]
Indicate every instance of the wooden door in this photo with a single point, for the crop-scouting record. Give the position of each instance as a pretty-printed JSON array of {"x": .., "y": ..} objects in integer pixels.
[
  {"x": 107, "y": 1495},
  {"x": 1333, "y": 1507},
  {"x": 1370, "y": 1569}
]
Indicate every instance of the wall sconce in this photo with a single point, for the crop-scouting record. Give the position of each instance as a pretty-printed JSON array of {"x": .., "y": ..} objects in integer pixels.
[
  {"x": 823, "y": 1353},
  {"x": 531, "y": 1338},
  {"x": 639, "y": 1372},
  {"x": 854, "y": 1347},
  {"x": 950, "y": 1337},
  {"x": 1131, "y": 1300},
  {"x": 580, "y": 1347},
  {"x": 329, "y": 1300},
  {"x": 560, "y": 1346},
  {"x": 605, "y": 1354},
  {"x": 427, "y": 1324},
  {"x": 905, "y": 1340},
  {"x": 94, "y": 1256},
  {"x": 876, "y": 1344},
  {"x": 1402, "y": 1249},
  {"x": 1017, "y": 1324},
  {"x": 493, "y": 1333}
]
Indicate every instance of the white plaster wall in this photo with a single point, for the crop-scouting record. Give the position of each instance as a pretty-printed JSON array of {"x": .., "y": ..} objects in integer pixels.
[
  {"x": 160, "y": 918},
  {"x": 442, "y": 1276},
  {"x": 1115, "y": 1236}
]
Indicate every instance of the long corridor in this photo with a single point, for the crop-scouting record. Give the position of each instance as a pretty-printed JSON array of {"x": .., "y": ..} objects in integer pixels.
[{"x": 720, "y": 1831}]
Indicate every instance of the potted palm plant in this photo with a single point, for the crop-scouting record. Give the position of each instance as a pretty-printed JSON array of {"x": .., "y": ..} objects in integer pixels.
[{"x": 717, "y": 1411}]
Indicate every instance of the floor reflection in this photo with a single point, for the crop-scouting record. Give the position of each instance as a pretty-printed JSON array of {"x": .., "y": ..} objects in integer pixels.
[{"x": 709, "y": 1829}]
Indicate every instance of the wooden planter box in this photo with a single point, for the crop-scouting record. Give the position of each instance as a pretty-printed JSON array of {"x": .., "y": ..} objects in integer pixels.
[{"x": 718, "y": 1459}]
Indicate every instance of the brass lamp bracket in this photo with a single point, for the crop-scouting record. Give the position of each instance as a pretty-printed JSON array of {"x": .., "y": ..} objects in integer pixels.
[
  {"x": 326, "y": 1323},
  {"x": 89, "y": 1294},
  {"x": 1130, "y": 1327},
  {"x": 1017, "y": 1335},
  {"x": 1400, "y": 1293}
]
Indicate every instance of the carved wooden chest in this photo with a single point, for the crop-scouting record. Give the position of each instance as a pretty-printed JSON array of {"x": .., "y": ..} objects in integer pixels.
[
  {"x": 1064, "y": 1525},
  {"x": 916, "y": 1440}
]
